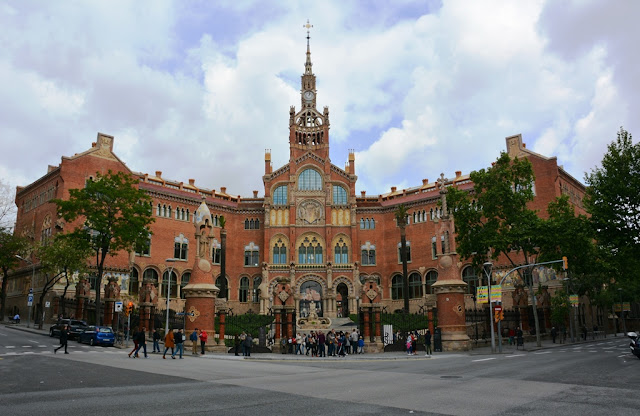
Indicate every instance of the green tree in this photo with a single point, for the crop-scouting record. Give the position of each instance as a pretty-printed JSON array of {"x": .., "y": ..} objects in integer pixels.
[
  {"x": 401, "y": 214},
  {"x": 613, "y": 200},
  {"x": 494, "y": 220},
  {"x": 115, "y": 215},
  {"x": 10, "y": 246},
  {"x": 59, "y": 259}
]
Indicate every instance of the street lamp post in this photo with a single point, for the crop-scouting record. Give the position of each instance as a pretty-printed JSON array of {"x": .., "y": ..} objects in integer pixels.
[
  {"x": 33, "y": 276},
  {"x": 166, "y": 327},
  {"x": 568, "y": 280},
  {"x": 487, "y": 267},
  {"x": 624, "y": 323}
]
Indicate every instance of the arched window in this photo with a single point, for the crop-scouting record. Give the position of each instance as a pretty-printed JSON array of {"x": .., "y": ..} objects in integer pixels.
[
  {"x": 339, "y": 195},
  {"x": 434, "y": 248},
  {"x": 341, "y": 253},
  {"x": 257, "y": 281},
  {"x": 310, "y": 180},
  {"x": 470, "y": 278},
  {"x": 310, "y": 251},
  {"x": 150, "y": 274},
  {"x": 183, "y": 282},
  {"x": 243, "y": 292},
  {"x": 280, "y": 195},
  {"x": 372, "y": 224},
  {"x": 180, "y": 247},
  {"x": 279, "y": 252},
  {"x": 431, "y": 278},
  {"x": 368, "y": 254},
  {"x": 169, "y": 282},
  {"x": 134, "y": 283},
  {"x": 223, "y": 293},
  {"x": 415, "y": 286},
  {"x": 397, "y": 291}
]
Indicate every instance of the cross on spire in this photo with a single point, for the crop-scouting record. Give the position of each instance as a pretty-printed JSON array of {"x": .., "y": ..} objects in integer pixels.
[{"x": 308, "y": 26}]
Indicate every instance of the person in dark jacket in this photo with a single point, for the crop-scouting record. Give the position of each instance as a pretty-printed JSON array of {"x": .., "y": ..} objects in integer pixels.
[
  {"x": 64, "y": 337},
  {"x": 248, "y": 343},
  {"x": 134, "y": 337},
  {"x": 156, "y": 341},
  {"x": 142, "y": 343},
  {"x": 427, "y": 342},
  {"x": 179, "y": 340}
]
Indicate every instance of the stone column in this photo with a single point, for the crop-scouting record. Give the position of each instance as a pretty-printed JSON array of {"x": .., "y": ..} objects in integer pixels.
[
  {"x": 201, "y": 292},
  {"x": 111, "y": 295},
  {"x": 450, "y": 290},
  {"x": 83, "y": 290}
]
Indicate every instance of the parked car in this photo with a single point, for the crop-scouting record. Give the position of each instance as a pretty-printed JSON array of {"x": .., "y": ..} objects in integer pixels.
[
  {"x": 75, "y": 327},
  {"x": 97, "y": 335}
]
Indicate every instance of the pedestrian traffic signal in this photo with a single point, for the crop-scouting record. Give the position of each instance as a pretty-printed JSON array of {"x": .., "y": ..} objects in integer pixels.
[{"x": 565, "y": 262}]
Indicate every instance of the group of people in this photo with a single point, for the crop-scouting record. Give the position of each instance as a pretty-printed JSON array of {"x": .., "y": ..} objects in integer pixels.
[
  {"x": 319, "y": 344},
  {"x": 244, "y": 341},
  {"x": 412, "y": 343},
  {"x": 173, "y": 341}
]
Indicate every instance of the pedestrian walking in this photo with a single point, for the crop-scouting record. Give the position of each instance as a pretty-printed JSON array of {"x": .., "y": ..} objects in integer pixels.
[
  {"x": 236, "y": 344},
  {"x": 178, "y": 338},
  {"x": 194, "y": 342},
  {"x": 64, "y": 338},
  {"x": 554, "y": 334},
  {"x": 361, "y": 345},
  {"x": 203, "y": 339},
  {"x": 168, "y": 343},
  {"x": 427, "y": 343},
  {"x": 519, "y": 338},
  {"x": 135, "y": 341},
  {"x": 142, "y": 343},
  {"x": 156, "y": 341}
]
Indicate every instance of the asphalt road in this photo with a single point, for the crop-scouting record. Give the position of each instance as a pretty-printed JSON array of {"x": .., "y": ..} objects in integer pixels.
[{"x": 593, "y": 378}]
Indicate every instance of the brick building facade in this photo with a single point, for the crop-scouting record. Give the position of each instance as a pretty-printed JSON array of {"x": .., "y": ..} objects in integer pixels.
[{"x": 309, "y": 227}]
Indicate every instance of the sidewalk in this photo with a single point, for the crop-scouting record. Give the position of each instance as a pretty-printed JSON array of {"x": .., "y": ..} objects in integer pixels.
[{"x": 529, "y": 346}]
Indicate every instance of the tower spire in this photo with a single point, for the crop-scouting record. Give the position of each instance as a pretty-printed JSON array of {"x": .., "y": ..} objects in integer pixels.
[{"x": 308, "y": 64}]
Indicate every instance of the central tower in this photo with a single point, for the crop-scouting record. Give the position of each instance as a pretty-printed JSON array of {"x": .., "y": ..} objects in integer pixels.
[{"x": 308, "y": 128}]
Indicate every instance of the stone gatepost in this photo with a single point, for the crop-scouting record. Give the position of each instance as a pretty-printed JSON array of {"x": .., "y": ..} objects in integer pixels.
[
  {"x": 147, "y": 302},
  {"x": 201, "y": 292},
  {"x": 450, "y": 288},
  {"x": 111, "y": 295},
  {"x": 371, "y": 295},
  {"x": 83, "y": 291}
]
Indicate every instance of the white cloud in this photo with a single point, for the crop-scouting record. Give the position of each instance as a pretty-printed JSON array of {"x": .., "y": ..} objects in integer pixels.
[{"x": 415, "y": 88}]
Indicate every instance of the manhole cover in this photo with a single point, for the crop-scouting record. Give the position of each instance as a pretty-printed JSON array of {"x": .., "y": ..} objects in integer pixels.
[{"x": 450, "y": 376}]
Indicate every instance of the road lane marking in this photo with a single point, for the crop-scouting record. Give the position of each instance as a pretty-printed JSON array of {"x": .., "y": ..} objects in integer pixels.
[
  {"x": 27, "y": 346},
  {"x": 543, "y": 352},
  {"x": 484, "y": 359},
  {"x": 511, "y": 356},
  {"x": 10, "y": 346}
]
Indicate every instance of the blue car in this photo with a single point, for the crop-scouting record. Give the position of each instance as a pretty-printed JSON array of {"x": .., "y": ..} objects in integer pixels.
[{"x": 97, "y": 335}]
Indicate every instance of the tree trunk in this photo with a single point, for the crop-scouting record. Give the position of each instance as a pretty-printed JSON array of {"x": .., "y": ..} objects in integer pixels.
[{"x": 103, "y": 256}]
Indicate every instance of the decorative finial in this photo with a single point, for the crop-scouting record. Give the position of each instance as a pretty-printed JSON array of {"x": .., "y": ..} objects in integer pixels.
[{"x": 308, "y": 26}]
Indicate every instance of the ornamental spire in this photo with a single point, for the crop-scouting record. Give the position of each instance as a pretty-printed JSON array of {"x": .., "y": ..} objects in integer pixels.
[{"x": 308, "y": 64}]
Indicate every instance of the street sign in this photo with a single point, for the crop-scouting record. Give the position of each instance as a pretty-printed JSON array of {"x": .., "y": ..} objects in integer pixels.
[
  {"x": 497, "y": 308},
  {"x": 47, "y": 304},
  {"x": 30, "y": 299},
  {"x": 117, "y": 306}
]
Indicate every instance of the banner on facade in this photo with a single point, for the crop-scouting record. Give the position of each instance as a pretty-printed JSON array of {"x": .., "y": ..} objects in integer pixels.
[
  {"x": 482, "y": 294},
  {"x": 574, "y": 300},
  {"x": 496, "y": 293},
  {"x": 626, "y": 306}
]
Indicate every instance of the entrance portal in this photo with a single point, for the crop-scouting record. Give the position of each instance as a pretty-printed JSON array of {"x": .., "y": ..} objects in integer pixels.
[
  {"x": 342, "y": 300},
  {"x": 310, "y": 292}
]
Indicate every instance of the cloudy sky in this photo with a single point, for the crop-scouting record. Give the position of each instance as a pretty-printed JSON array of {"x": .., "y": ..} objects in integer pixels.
[{"x": 199, "y": 89}]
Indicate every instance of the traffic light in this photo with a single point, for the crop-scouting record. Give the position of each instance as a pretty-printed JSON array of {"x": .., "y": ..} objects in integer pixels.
[
  {"x": 565, "y": 263},
  {"x": 128, "y": 309},
  {"x": 498, "y": 314}
]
